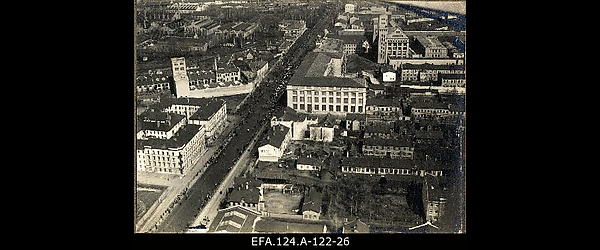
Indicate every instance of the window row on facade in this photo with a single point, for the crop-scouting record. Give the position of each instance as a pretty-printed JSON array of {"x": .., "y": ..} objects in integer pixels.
[{"x": 324, "y": 107}]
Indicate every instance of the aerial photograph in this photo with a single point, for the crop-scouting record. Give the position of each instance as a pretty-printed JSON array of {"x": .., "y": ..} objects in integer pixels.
[{"x": 299, "y": 116}]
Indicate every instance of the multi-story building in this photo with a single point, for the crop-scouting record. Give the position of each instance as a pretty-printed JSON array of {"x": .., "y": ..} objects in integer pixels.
[
  {"x": 391, "y": 148},
  {"x": 153, "y": 81},
  {"x": 380, "y": 109},
  {"x": 387, "y": 166},
  {"x": 427, "y": 72},
  {"x": 228, "y": 74},
  {"x": 351, "y": 44},
  {"x": 349, "y": 8},
  {"x": 453, "y": 80},
  {"x": 392, "y": 42},
  {"x": 172, "y": 147},
  {"x": 430, "y": 47},
  {"x": 434, "y": 110},
  {"x": 292, "y": 28},
  {"x": 327, "y": 95},
  {"x": 160, "y": 125},
  {"x": 182, "y": 82},
  {"x": 210, "y": 113},
  {"x": 311, "y": 207},
  {"x": 278, "y": 139},
  {"x": 306, "y": 163},
  {"x": 201, "y": 84}
]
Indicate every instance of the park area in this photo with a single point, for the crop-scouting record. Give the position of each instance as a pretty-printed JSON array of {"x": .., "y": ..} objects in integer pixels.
[{"x": 277, "y": 202}]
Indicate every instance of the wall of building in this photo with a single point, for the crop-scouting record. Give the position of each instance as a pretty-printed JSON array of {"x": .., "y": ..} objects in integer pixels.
[
  {"x": 220, "y": 91},
  {"x": 337, "y": 100}
]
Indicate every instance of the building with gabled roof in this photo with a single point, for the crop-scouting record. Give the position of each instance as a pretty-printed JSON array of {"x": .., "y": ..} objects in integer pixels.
[
  {"x": 236, "y": 219},
  {"x": 311, "y": 207},
  {"x": 277, "y": 140},
  {"x": 247, "y": 192}
]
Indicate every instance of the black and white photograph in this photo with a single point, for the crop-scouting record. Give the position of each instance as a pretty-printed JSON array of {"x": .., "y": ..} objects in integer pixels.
[{"x": 300, "y": 117}]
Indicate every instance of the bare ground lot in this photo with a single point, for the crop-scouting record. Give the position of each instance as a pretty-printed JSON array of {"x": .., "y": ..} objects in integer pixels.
[
  {"x": 279, "y": 203},
  {"x": 146, "y": 196}
]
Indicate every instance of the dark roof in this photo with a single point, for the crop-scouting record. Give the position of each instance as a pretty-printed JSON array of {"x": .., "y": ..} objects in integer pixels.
[
  {"x": 313, "y": 201},
  {"x": 378, "y": 128},
  {"x": 382, "y": 101},
  {"x": 255, "y": 66},
  {"x": 329, "y": 82},
  {"x": 158, "y": 121},
  {"x": 401, "y": 142},
  {"x": 452, "y": 76},
  {"x": 430, "y": 105},
  {"x": 227, "y": 26},
  {"x": 250, "y": 195},
  {"x": 308, "y": 161},
  {"x": 207, "y": 109},
  {"x": 429, "y": 134},
  {"x": 228, "y": 69},
  {"x": 242, "y": 26},
  {"x": 432, "y": 66},
  {"x": 182, "y": 137},
  {"x": 277, "y": 135},
  {"x": 314, "y": 64},
  {"x": 353, "y": 39}
]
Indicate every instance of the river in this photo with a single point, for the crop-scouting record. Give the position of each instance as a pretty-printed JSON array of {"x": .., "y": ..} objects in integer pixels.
[{"x": 450, "y": 6}]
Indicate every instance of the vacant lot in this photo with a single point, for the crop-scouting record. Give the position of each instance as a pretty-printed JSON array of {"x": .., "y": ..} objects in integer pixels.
[
  {"x": 146, "y": 196},
  {"x": 279, "y": 203}
]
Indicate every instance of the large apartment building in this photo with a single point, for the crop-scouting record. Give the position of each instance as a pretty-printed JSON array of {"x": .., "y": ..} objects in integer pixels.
[{"x": 392, "y": 42}]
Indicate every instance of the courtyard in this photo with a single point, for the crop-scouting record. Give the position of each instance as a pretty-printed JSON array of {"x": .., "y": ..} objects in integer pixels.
[{"x": 277, "y": 202}]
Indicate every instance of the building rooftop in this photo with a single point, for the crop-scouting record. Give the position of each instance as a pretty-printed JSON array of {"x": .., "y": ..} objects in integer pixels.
[
  {"x": 354, "y": 39},
  {"x": 255, "y": 66},
  {"x": 430, "y": 105},
  {"x": 181, "y": 138},
  {"x": 277, "y": 135},
  {"x": 329, "y": 82},
  {"x": 227, "y": 69},
  {"x": 308, "y": 161},
  {"x": 452, "y": 76},
  {"x": 430, "y": 42},
  {"x": 399, "y": 142},
  {"x": 381, "y": 101},
  {"x": 236, "y": 219},
  {"x": 158, "y": 121},
  {"x": 313, "y": 201}
]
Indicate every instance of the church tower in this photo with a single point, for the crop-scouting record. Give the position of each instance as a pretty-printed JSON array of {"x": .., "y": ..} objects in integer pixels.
[{"x": 182, "y": 82}]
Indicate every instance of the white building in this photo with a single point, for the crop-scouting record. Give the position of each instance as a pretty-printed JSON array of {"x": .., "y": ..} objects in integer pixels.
[
  {"x": 311, "y": 164},
  {"x": 389, "y": 76},
  {"x": 349, "y": 8},
  {"x": 278, "y": 139}
]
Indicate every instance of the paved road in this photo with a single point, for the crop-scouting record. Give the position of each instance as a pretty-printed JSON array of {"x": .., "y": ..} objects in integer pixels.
[
  {"x": 258, "y": 109},
  {"x": 210, "y": 210}
]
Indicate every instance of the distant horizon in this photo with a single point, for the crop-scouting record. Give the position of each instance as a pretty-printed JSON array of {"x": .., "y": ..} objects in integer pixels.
[{"x": 456, "y": 6}]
